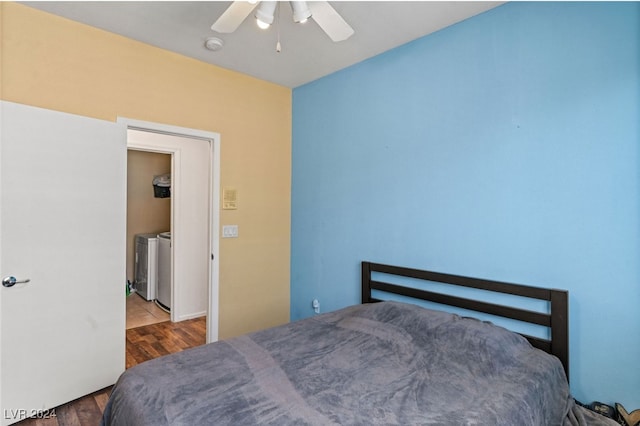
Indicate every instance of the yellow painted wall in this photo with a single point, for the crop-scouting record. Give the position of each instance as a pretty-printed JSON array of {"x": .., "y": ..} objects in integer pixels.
[{"x": 55, "y": 63}]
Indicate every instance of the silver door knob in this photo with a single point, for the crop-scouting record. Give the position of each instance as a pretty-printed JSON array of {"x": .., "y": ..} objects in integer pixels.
[{"x": 11, "y": 281}]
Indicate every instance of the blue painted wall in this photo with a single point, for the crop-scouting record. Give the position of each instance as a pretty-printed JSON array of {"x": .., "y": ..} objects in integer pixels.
[{"x": 504, "y": 147}]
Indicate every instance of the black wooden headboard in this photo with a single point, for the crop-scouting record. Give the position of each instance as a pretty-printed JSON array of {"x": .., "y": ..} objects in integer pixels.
[{"x": 557, "y": 320}]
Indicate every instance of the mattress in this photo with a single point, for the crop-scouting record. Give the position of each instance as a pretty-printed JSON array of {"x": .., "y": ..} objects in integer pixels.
[{"x": 381, "y": 363}]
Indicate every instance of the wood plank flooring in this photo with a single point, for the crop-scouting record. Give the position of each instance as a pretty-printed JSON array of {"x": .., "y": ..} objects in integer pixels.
[
  {"x": 152, "y": 341},
  {"x": 143, "y": 343}
]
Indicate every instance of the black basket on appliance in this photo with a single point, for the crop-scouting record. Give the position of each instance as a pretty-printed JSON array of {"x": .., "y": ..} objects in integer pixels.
[{"x": 162, "y": 186}]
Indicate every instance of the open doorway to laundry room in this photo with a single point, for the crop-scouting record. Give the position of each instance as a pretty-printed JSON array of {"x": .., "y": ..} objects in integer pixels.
[
  {"x": 188, "y": 217},
  {"x": 149, "y": 330},
  {"x": 148, "y": 224}
]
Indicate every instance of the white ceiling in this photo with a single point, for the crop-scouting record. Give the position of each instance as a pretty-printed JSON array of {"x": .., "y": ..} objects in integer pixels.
[{"x": 307, "y": 52}]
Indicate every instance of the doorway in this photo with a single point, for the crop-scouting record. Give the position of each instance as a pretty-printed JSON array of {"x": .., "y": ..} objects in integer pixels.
[
  {"x": 194, "y": 215},
  {"x": 148, "y": 217}
]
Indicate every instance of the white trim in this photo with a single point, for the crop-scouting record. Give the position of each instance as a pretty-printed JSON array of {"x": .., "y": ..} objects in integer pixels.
[
  {"x": 1, "y": 137},
  {"x": 214, "y": 209},
  {"x": 192, "y": 316},
  {"x": 213, "y": 322}
]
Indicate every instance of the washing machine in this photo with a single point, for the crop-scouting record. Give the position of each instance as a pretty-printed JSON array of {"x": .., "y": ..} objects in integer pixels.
[
  {"x": 163, "y": 295},
  {"x": 145, "y": 280}
]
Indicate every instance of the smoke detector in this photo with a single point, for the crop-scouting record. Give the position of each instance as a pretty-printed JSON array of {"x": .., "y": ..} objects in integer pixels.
[{"x": 214, "y": 44}]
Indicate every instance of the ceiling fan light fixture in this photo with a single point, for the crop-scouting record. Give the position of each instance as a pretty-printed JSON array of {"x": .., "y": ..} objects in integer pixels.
[
  {"x": 264, "y": 14},
  {"x": 262, "y": 25},
  {"x": 301, "y": 12}
]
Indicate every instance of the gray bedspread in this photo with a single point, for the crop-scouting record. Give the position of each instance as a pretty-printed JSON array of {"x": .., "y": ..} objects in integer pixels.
[{"x": 383, "y": 363}]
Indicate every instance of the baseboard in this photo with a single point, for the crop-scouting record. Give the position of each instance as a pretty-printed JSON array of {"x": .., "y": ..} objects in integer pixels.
[{"x": 192, "y": 316}]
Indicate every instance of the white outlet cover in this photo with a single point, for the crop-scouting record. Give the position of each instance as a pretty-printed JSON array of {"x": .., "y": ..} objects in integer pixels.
[{"x": 230, "y": 231}]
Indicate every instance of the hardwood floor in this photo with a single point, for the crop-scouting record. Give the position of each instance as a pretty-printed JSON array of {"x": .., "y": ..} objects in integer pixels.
[
  {"x": 152, "y": 341},
  {"x": 143, "y": 343}
]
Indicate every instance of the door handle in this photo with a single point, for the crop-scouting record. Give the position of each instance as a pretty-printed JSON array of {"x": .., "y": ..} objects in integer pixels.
[{"x": 11, "y": 281}]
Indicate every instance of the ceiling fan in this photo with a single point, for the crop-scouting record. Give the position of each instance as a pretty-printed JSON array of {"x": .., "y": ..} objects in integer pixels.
[{"x": 320, "y": 11}]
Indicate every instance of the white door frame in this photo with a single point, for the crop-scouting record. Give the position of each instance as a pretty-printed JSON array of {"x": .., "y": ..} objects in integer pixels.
[
  {"x": 214, "y": 201},
  {"x": 1, "y": 115}
]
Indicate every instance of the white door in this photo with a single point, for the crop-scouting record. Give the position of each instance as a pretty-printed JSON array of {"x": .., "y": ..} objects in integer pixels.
[{"x": 62, "y": 225}]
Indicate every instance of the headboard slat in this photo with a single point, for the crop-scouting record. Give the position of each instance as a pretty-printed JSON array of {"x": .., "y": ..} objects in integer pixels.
[{"x": 461, "y": 302}]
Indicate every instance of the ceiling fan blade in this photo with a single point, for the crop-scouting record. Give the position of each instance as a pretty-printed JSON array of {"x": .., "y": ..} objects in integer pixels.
[
  {"x": 330, "y": 21},
  {"x": 231, "y": 18}
]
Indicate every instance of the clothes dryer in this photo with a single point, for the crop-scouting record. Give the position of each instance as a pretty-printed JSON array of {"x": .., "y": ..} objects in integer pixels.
[{"x": 163, "y": 295}]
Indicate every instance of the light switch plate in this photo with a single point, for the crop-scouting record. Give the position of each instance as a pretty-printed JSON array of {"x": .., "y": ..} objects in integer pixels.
[{"x": 230, "y": 231}]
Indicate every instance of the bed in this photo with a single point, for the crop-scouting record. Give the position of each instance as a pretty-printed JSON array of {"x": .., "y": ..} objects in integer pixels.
[{"x": 380, "y": 362}]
